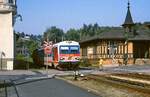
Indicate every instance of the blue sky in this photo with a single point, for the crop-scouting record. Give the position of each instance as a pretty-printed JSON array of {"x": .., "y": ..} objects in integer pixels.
[{"x": 65, "y": 14}]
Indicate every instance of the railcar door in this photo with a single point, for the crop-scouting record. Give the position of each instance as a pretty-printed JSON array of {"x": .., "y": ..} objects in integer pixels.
[{"x": 55, "y": 56}]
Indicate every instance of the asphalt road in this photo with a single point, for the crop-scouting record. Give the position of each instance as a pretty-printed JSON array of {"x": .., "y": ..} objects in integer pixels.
[{"x": 51, "y": 88}]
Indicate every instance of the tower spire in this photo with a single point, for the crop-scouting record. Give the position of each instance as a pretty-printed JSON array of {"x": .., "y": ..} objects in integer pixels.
[
  {"x": 128, "y": 4},
  {"x": 128, "y": 20}
]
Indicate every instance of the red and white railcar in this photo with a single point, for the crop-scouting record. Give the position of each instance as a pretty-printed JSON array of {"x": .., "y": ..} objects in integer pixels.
[{"x": 66, "y": 54}]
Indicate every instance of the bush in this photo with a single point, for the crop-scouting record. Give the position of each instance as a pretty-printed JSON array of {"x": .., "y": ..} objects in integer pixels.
[
  {"x": 22, "y": 64},
  {"x": 84, "y": 63}
]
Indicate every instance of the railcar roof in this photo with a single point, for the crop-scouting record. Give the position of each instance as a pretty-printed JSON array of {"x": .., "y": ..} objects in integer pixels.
[{"x": 66, "y": 43}]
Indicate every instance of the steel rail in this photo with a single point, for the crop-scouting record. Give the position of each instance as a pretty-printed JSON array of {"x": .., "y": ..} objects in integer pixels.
[{"x": 121, "y": 83}]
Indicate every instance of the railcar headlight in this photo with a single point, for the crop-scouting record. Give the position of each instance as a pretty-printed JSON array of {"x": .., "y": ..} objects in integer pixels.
[
  {"x": 77, "y": 58},
  {"x": 62, "y": 58}
]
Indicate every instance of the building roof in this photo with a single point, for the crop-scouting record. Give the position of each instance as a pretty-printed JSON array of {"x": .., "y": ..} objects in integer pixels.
[
  {"x": 118, "y": 34},
  {"x": 141, "y": 35},
  {"x": 147, "y": 24},
  {"x": 112, "y": 34}
]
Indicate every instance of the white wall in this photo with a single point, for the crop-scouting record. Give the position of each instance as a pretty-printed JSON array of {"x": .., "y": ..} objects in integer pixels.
[{"x": 6, "y": 36}]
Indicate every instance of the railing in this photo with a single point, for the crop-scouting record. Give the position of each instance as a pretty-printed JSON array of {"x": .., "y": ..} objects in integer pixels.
[{"x": 97, "y": 56}]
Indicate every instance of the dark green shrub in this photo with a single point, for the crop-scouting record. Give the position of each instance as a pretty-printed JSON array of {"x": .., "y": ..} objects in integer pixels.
[{"x": 84, "y": 63}]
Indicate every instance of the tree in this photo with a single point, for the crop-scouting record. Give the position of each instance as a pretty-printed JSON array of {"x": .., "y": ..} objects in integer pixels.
[
  {"x": 97, "y": 29},
  {"x": 54, "y": 34},
  {"x": 90, "y": 30},
  {"x": 72, "y": 34},
  {"x": 30, "y": 44}
]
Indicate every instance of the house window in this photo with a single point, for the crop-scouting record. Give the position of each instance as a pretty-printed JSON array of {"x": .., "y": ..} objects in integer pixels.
[
  {"x": 95, "y": 50},
  {"x": 112, "y": 48},
  {"x": 84, "y": 52},
  {"x": 10, "y": 1},
  {"x": 100, "y": 49},
  {"x": 121, "y": 49},
  {"x": 90, "y": 50}
]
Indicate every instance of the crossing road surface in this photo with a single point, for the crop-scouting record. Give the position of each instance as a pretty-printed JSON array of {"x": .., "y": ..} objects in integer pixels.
[{"x": 51, "y": 88}]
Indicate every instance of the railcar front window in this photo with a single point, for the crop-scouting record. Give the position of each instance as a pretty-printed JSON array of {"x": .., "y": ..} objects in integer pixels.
[
  {"x": 64, "y": 51},
  {"x": 74, "y": 50}
]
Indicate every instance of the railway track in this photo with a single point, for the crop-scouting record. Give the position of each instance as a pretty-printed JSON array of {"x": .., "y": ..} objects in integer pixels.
[
  {"x": 134, "y": 75},
  {"x": 124, "y": 81}
]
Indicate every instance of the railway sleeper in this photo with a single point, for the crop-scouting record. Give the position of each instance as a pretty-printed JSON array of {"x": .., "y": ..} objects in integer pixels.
[
  {"x": 131, "y": 81},
  {"x": 125, "y": 81},
  {"x": 134, "y": 75},
  {"x": 140, "y": 87}
]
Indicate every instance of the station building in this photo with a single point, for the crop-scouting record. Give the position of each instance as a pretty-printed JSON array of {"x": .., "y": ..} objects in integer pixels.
[{"x": 124, "y": 45}]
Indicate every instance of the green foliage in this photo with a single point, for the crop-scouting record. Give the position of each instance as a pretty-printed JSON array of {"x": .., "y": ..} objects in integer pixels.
[
  {"x": 72, "y": 34},
  {"x": 23, "y": 64},
  {"x": 54, "y": 34},
  {"x": 89, "y": 31},
  {"x": 20, "y": 57},
  {"x": 84, "y": 63},
  {"x": 30, "y": 44}
]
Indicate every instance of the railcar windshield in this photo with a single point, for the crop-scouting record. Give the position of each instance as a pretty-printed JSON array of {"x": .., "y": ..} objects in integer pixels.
[
  {"x": 69, "y": 50},
  {"x": 74, "y": 50},
  {"x": 64, "y": 50}
]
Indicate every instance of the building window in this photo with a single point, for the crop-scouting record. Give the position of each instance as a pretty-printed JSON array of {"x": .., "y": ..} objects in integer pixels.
[
  {"x": 101, "y": 50},
  {"x": 95, "y": 50},
  {"x": 112, "y": 48},
  {"x": 104, "y": 49},
  {"x": 121, "y": 49},
  {"x": 90, "y": 50},
  {"x": 10, "y": 1},
  {"x": 84, "y": 52}
]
